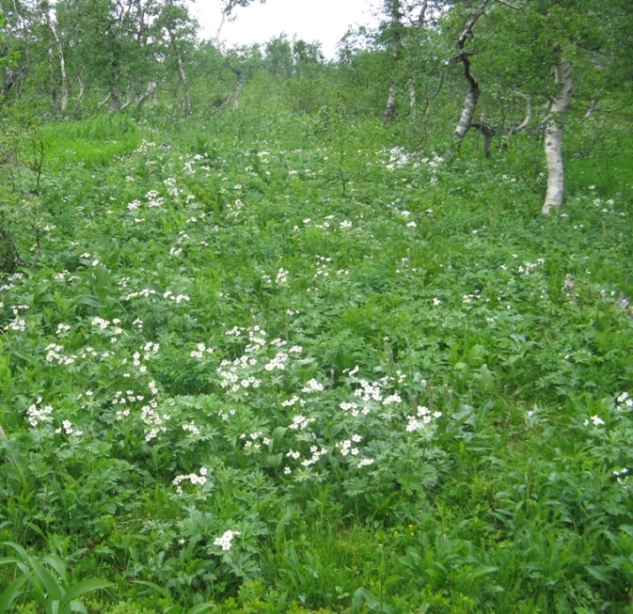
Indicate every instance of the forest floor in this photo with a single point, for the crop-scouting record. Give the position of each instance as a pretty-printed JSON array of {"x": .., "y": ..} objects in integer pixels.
[{"x": 286, "y": 366}]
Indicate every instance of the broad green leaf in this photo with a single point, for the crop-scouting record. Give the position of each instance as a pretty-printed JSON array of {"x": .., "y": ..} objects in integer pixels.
[
  {"x": 81, "y": 588},
  {"x": 12, "y": 592}
]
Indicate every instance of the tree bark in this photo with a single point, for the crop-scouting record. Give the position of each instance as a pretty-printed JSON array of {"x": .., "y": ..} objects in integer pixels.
[
  {"x": 238, "y": 88},
  {"x": 395, "y": 13},
  {"x": 182, "y": 76},
  {"x": 517, "y": 128},
  {"x": 62, "y": 63},
  {"x": 555, "y": 195},
  {"x": 81, "y": 80},
  {"x": 488, "y": 133},
  {"x": 115, "y": 98},
  {"x": 390, "y": 109},
  {"x": 470, "y": 102}
]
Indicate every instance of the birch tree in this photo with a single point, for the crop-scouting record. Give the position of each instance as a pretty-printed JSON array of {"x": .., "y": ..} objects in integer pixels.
[
  {"x": 472, "y": 96},
  {"x": 178, "y": 29},
  {"x": 555, "y": 195}
]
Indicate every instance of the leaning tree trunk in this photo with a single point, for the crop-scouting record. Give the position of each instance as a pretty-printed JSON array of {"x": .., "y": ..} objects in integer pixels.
[
  {"x": 469, "y": 106},
  {"x": 555, "y": 195},
  {"x": 470, "y": 102}
]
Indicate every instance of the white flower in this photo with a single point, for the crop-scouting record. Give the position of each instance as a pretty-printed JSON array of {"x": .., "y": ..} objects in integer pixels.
[
  {"x": 225, "y": 540},
  {"x": 312, "y": 386}
]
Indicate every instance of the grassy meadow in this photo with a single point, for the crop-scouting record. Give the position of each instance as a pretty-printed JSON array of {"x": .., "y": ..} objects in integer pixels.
[{"x": 269, "y": 362}]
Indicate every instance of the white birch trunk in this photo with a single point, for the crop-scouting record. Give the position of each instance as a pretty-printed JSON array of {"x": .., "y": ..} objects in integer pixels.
[
  {"x": 238, "y": 89},
  {"x": 468, "y": 108},
  {"x": 81, "y": 79},
  {"x": 470, "y": 102},
  {"x": 555, "y": 195},
  {"x": 390, "y": 109},
  {"x": 180, "y": 67},
  {"x": 62, "y": 64},
  {"x": 396, "y": 52}
]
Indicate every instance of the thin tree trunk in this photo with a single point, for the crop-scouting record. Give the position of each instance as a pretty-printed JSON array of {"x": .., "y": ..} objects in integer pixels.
[
  {"x": 52, "y": 78},
  {"x": 390, "y": 109},
  {"x": 522, "y": 126},
  {"x": 469, "y": 106},
  {"x": 591, "y": 108},
  {"x": 488, "y": 133},
  {"x": 150, "y": 90},
  {"x": 62, "y": 64},
  {"x": 128, "y": 100},
  {"x": 180, "y": 67},
  {"x": 104, "y": 101},
  {"x": 470, "y": 102},
  {"x": 238, "y": 88},
  {"x": 396, "y": 52},
  {"x": 555, "y": 195},
  {"x": 81, "y": 79},
  {"x": 115, "y": 98}
]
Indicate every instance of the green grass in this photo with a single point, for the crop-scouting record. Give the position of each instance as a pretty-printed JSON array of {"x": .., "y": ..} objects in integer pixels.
[{"x": 448, "y": 437}]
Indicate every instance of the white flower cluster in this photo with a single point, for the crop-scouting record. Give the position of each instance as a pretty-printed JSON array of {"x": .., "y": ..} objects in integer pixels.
[
  {"x": 256, "y": 339},
  {"x": 176, "y": 298},
  {"x": 347, "y": 446},
  {"x": 300, "y": 423},
  {"x": 172, "y": 190},
  {"x": 191, "y": 427},
  {"x": 253, "y": 440},
  {"x": 527, "y": 267},
  {"x": 234, "y": 210},
  {"x": 312, "y": 386},
  {"x": 317, "y": 453},
  {"x": 368, "y": 391},
  {"x": 69, "y": 429},
  {"x": 54, "y": 355},
  {"x": 200, "y": 351},
  {"x": 293, "y": 401},
  {"x": 36, "y": 414},
  {"x": 226, "y": 540},
  {"x": 422, "y": 420},
  {"x": 195, "y": 479},
  {"x": 144, "y": 293},
  {"x": 152, "y": 418},
  {"x": 595, "y": 420},
  {"x": 398, "y": 157},
  {"x": 624, "y": 402},
  {"x": 18, "y": 324},
  {"x": 622, "y": 476},
  {"x": 282, "y": 276},
  {"x": 278, "y": 362},
  {"x": 62, "y": 329}
]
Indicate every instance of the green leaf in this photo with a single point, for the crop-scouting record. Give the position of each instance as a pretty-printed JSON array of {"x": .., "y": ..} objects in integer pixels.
[
  {"x": 54, "y": 592},
  {"x": 160, "y": 589},
  {"x": 12, "y": 592},
  {"x": 278, "y": 434},
  {"x": 81, "y": 588},
  {"x": 90, "y": 300},
  {"x": 201, "y": 607}
]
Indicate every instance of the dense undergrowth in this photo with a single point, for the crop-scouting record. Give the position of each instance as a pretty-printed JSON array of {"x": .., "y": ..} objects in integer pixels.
[{"x": 278, "y": 364}]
